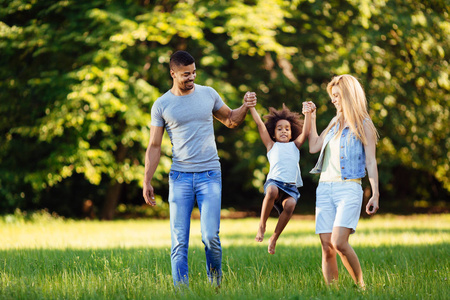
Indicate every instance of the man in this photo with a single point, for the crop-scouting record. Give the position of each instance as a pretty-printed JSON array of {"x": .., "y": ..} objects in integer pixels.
[{"x": 187, "y": 112}]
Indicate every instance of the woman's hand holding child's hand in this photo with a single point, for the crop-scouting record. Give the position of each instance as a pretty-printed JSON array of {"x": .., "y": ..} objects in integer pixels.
[{"x": 308, "y": 107}]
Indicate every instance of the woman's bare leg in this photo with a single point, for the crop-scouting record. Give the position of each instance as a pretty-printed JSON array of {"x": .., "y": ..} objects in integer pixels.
[
  {"x": 348, "y": 256},
  {"x": 329, "y": 261},
  {"x": 288, "y": 209},
  {"x": 269, "y": 199}
]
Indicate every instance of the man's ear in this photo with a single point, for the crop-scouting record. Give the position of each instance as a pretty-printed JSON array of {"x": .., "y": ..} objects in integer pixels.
[{"x": 172, "y": 73}]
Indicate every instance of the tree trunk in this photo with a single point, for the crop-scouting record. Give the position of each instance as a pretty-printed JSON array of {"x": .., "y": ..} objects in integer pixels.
[
  {"x": 115, "y": 189},
  {"x": 111, "y": 201}
]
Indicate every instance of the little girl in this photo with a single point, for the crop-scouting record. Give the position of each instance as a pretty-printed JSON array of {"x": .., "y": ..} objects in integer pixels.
[{"x": 282, "y": 135}]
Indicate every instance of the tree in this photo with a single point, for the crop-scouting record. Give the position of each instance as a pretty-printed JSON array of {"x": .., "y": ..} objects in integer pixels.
[
  {"x": 71, "y": 106},
  {"x": 78, "y": 80}
]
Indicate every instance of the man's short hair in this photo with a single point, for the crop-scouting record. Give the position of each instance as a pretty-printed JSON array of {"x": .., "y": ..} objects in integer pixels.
[{"x": 181, "y": 58}]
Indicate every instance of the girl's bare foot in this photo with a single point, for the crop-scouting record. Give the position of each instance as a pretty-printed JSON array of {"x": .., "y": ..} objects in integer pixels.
[
  {"x": 260, "y": 235},
  {"x": 272, "y": 244}
]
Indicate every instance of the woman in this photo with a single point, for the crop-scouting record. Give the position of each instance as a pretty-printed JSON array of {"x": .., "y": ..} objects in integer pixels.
[{"x": 347, "y": 148}]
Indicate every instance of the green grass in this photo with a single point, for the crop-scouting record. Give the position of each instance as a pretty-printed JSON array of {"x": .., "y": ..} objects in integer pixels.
[{"x": 402, "y": 258}]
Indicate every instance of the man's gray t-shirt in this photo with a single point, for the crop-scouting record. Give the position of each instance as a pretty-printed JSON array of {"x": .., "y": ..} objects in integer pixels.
[{"x": 189, "y": 122}]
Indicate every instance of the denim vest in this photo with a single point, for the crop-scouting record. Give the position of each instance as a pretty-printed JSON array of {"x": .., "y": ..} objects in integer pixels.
[{"x": 352, "y": 154}]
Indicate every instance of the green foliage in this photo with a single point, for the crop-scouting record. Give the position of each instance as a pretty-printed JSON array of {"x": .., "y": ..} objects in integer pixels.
[
  {"x": 405, "y": 64},
  {"x": 160, "y": 211},
  {"x": 71, "y": 101},
  {"x": 78, "y": 79},
  {"x": 36, "y": 217}
]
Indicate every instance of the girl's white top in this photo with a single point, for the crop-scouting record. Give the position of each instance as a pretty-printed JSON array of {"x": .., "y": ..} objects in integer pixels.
[{"x": 283, "y": 160}]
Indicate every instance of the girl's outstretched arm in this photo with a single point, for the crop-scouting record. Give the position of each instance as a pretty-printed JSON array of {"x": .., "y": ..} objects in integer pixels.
[
  {"x": 263, "y": 133},
  {"x": 307, "y": 109}
]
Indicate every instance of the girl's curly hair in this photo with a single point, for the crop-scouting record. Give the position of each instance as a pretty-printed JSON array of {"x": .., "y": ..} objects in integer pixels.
[{"x": 284, "y": 114}]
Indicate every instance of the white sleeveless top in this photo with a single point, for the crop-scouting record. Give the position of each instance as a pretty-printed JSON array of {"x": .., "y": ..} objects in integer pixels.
[{"x": 283, "y": 160}]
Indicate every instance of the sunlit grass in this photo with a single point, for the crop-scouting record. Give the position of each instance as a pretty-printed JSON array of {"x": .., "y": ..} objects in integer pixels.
[
  {"x": 61, "y": 234},
  {"x": 402, "y": 258}
]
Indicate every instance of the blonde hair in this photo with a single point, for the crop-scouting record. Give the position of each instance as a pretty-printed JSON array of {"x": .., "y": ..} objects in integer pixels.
[{"x": 354, "y": 107}]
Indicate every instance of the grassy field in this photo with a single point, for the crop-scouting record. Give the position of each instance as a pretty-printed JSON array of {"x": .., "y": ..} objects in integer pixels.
[{"x": 402, "y": 258}]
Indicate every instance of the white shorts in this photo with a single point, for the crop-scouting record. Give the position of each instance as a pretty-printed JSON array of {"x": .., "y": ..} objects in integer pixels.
[{"x": 338, "y": 204}]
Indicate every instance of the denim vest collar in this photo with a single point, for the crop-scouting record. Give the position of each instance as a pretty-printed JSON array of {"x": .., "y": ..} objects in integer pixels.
[{"x": 352, "y": 155}]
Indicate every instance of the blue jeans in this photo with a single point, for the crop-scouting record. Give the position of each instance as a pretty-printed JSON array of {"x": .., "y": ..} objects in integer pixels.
[{"x": 184, "y": 189}]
